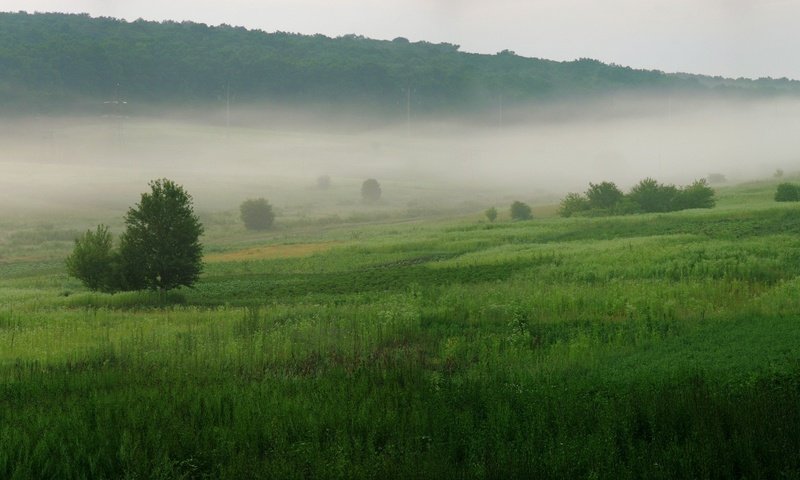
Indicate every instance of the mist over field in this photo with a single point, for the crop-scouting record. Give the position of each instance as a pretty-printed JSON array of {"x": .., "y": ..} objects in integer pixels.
[
  {"x": 230, "y": 253},
  {"x": 538, "y": 154}
]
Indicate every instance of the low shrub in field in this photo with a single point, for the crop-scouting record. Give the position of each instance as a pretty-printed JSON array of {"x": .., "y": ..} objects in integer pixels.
[
  {"x": 787, "y": 192},
  {"x": 93, "y": 260}
]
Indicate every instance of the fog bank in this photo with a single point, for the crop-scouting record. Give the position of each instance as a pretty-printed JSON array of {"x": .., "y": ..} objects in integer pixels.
[{"x": 105, "y": 162}]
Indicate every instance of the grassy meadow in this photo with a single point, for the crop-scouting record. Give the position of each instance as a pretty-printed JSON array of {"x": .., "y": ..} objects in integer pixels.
[{"x": 646, "y": 346}]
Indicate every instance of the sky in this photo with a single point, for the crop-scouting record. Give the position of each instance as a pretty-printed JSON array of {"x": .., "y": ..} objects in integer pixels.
[{"x": 732, "y": 38}]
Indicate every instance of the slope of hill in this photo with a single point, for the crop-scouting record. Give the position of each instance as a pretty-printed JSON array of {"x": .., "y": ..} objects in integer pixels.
[{"x": 56, "y": 61}]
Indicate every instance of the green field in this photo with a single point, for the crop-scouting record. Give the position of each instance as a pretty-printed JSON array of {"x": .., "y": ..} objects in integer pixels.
[{"x": 647, "y": 346}]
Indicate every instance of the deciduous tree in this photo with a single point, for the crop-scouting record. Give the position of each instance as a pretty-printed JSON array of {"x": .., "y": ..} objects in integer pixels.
[{"x": 161, "y": 249}]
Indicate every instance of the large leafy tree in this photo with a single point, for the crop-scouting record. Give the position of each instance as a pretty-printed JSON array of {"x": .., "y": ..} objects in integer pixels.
[{"x": 161, "y": 249}]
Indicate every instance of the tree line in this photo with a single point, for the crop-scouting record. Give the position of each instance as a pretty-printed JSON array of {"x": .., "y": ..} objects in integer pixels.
[
  {"x": 50, "y": 61},
  {"x": 647, "y": 196}
]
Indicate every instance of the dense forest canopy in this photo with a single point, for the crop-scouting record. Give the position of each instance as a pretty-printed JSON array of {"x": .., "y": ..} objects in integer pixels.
[{"x": 49, "y": 62}]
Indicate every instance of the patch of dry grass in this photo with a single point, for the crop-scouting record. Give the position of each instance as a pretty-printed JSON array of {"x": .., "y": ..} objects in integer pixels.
[{"x": 270, "y": 251}]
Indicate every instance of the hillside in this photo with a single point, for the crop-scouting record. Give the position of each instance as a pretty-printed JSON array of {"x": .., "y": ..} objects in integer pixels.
[
  {"x": 51, "y": 62},
  {"x": 645, "y": 346}
]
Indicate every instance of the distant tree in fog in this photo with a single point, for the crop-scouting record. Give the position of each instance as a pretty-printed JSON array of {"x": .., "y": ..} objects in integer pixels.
[
  {"x": 324, "y": 182},
  {"x": 257, "y": 214},
  {"x": 520, "y": 211},
  {"x": 716, "y": 178},
  {"x": 371, "y": 190},
  {"x": 491, "y": 214}
]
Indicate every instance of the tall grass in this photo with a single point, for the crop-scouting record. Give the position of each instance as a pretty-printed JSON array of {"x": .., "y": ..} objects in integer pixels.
[{"x": 663, "y": 346}]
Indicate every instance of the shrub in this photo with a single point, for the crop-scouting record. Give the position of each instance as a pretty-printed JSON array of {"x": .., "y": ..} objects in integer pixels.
[
  {"x": 370, "y": 190},
  {"x": 626, "y": 206},
  {"x": 696, "y": 195},
  {"x": 603, "y": 195},
  {"x": 520, "y": 211},
  {"x": 573, "y": 203},
  {"x": 91, "y": 261},
  {"x": 257, "y": 214},
  {"x": 787, "y": 192},
  {"x": 651, "y": 196}
]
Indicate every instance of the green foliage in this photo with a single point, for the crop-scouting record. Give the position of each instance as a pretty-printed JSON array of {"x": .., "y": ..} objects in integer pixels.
[
  {"x": 603, "y": 196},
  {"x": 696, "y": 195},
  {"x": 572, "y": 204},
  {"x": 491, "y": 214},
  {"x": 626, "y": 206},
  {"x": 652, "y": 196},
  {"x": 161, "y": 248},
  {"x": 92, "y": 261},
  {"x": 257, "y": 214},
  {"x": 660, "y": 346},
  {"x": 370, "y": 190},
  {"x": 520, "y": 211},
  {"x": 787, "y": 192},
  {"x": 645, "y": 197},
  {"x": 52, "y": 61}
]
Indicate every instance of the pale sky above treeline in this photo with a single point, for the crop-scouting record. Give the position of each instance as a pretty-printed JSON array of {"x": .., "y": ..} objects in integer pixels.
[{"x": 732, "y": 38}]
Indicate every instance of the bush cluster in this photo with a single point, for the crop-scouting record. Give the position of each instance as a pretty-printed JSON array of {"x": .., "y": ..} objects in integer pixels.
[
  {"x": 159, "y": 250},
  {"x": 645, "y": 197},
  {"x": 787, "y": 192}
]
